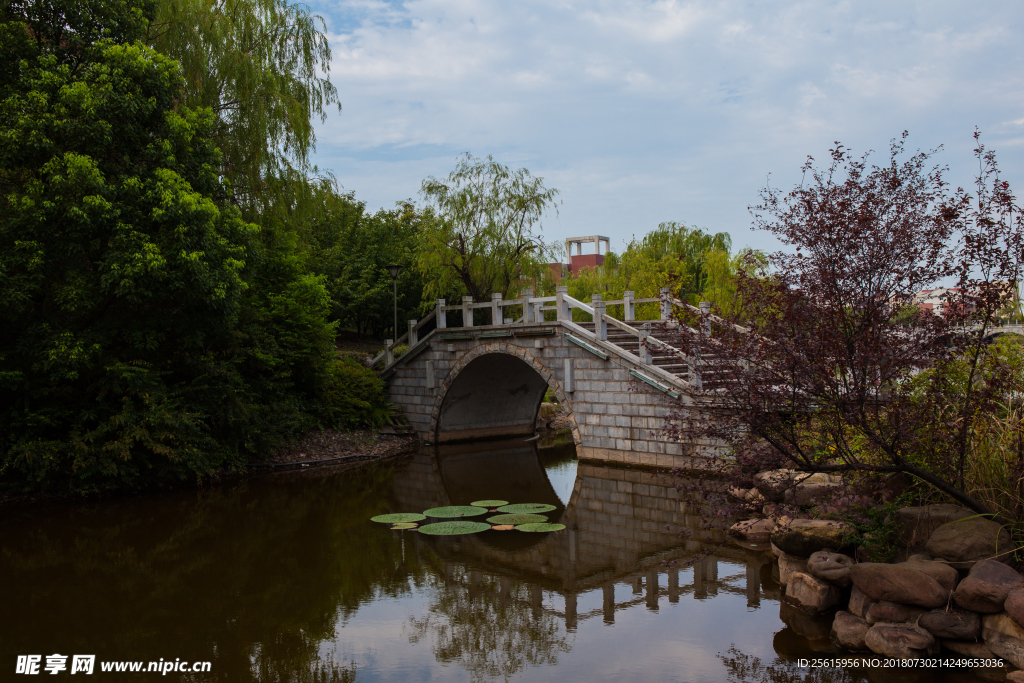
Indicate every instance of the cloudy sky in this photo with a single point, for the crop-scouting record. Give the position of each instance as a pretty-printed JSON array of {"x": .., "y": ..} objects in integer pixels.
[{"x": 641, "y": 112}]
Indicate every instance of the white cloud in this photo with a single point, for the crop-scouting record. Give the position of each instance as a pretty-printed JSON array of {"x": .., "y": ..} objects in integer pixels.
[{"x": 664, "y": 110}]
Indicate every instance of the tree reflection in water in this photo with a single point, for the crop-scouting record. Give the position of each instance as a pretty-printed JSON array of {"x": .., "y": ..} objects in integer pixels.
[
  {"x": 491, "y": 627},
  {"x": 742, "y": 668}
]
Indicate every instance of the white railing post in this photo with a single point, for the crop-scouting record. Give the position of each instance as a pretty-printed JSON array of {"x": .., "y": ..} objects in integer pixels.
[
  {"x": 496, "y": 309},
  {"x": 628, "y": 313},
  {"x": 666, "y": 305},
  {"x": 600, "y": 324},
  {"x": 561, "y": 305},
  {"x": 413, "y": 337},
  {"x": 696, "y": 367},
  {"x": 644, "y": 350},
  {"x": 441, "y": 315},
  {"x": 527, "y": 308},
  {"x": 705, "y": 318},
  {"x": 389, "y": 352},
  {"x": 467, "y": 312}
]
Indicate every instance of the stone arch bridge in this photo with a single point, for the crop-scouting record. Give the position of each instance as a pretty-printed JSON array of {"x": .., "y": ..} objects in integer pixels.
[{"x": 487, "y": 377}]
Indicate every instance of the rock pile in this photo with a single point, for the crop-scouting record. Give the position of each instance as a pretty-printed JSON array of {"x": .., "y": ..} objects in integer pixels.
[{"x": 959, "y": 595}]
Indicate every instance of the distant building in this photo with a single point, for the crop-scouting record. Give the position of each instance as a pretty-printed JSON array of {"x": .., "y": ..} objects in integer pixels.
[
  {"x": 579, "y": 260},
  {"x": 944, "y": 300}
]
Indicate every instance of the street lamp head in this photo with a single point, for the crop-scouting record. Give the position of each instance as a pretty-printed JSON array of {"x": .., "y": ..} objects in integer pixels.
[{"x": 394, "y": 270}]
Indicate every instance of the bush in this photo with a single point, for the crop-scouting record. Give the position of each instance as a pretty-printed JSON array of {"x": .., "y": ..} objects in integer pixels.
[{"x": 354, "y": 396}]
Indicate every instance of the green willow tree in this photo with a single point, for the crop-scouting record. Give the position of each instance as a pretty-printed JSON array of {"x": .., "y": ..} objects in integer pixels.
[
  {"x": 485, "y": 238},
  {"x": 257, "y": 65}
]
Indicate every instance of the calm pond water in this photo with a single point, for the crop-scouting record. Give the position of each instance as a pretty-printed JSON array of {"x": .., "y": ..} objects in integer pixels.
[{"x": 284, "y": 578}]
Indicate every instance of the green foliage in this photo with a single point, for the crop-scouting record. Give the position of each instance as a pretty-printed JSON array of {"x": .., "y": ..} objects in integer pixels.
[
  {"x": 694, "y": 264},
  {"x": 876, "y": 530},
  {"x": 149, "y": 331},
  {"x": 483, "y": 238},
  {"x": 256, "y": 64},
  {"x": 350, "y": 249}
]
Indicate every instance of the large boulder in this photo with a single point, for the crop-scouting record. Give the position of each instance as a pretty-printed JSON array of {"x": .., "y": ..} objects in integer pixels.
[
  {"x": 964, "y": 542},
  {"x": 789, "y": 565},
  {"x": 900, "y": 641},
  {"x": 804, "y": 537},
  {"x": 773, "y": 484},
  {"x": 753, "y": 530},
  {"x": 1014, "y": 605},
  {"x": 848, "y": 630},
  {"x": 955, "y": 625},
  {"x": 859, "y": 603},
  {"x": 1005, "y": 637},
  {"x": 986, "y": 587},
  {"x": 812, "y": 493},
  {"x": 811, "y": 593},
  {"x": 940, "y": 571},
  {"x": 831, "y": 567},
  {"x": 893, "y": 583},
  {"x": 893, "y": 612},
  {"x": 917, "y": 524}
]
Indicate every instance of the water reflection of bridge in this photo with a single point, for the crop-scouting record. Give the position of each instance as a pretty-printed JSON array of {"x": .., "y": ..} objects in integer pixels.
[{"x": 630, "y": 534}]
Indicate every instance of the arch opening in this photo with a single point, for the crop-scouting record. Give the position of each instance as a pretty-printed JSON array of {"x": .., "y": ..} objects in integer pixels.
[{"x": 495, "y": 395}]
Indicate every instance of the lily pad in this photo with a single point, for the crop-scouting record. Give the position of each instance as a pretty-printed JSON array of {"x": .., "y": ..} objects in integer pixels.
[
  {"x": 524, "y": 508},
  {"x": 405, "y": 525},
  {"x": 453, "y": 528},
  {"x": 455, "y": 511},
  {"x": 398, "y": 518},
  {"x": 503, "y": 527},
  {"x": 516, "y": 519},
  {"x": 489, "y": 503},
  {"x": 538, "y": 526}
]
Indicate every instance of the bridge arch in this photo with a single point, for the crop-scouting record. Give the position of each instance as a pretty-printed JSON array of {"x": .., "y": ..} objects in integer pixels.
[{"x": 494, "y": 390}]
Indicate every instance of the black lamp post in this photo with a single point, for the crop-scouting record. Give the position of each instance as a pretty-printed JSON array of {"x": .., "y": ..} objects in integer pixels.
[{"x": 395, "y": 270}]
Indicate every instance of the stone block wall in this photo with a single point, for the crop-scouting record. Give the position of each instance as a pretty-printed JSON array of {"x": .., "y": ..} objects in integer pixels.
[{"x": 617, "y": 418}]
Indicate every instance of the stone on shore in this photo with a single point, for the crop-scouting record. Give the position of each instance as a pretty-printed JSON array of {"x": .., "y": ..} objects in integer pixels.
[
  {"x": 804, "y": 537},
  {"x": 1004, "y": 637},
  {"x": 986, "y": 587},
  {"x": 806, "y": 494},
  {"x": 893, "y": 612},
  {"x": 789, "y": 565},
  {"x": 753, "y": 530},
  {"x": 954, "y": 625},
  {"x": 898, "y": 584},
  {"x": 859, "y": 603},
  {"x": 811, "y": 593},
  {"x": 773, "y": 484},
  {"x": 902, "y": 641},
  {"x": 831, "y": 567},
  {"x": 1014, "y": 605},
  {"x": 964, "y": 542},
  {"x": 1015, "y": 676},
  {"x": 917, "y": 524},
  {"x": 940, "y": 571},
  {"x": 848, "y": 630}
]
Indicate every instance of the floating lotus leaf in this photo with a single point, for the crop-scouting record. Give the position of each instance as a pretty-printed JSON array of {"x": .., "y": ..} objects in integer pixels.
[
  {"x": 540, "y": 526},
  {"x": 489, "y": 503},
  {"x": 398, "y": 518},
  {"x": 455, "y": 511},
  {"x": 503, "y": 527},
  {"x": 515, "y": 520},
  {"x": 405, "y": 525},
  {"x": 524, "y": 508},
  {"x": 453, "y": 528}
]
